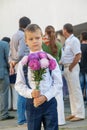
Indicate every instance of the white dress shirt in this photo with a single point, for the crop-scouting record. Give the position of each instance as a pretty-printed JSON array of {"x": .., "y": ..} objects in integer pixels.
[
  {"x": 71, "y": 48},
  {"x": 50, "y": 86}
]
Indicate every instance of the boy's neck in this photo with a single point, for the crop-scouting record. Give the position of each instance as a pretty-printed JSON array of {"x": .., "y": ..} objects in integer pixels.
[{"x": 32, "y": 51}]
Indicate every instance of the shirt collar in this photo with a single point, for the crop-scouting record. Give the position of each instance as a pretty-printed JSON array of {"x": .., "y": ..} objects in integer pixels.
[
  {"x": 35, "y": 51},
  {"x": 70, "y": 36}
]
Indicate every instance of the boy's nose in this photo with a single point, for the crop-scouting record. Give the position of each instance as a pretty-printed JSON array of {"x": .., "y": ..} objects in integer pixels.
[{"x": 35, "y": 42}]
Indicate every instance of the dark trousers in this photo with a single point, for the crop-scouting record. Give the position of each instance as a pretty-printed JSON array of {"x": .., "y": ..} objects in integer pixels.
[{"x": 46, "y": 113}]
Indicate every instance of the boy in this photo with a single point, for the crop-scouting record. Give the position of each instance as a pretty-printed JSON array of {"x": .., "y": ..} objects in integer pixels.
[{"x": 46, "y": 110}]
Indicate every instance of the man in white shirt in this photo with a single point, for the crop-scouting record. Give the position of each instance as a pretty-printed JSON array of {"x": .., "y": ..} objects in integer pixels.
[{"x": 70, "y": 58}]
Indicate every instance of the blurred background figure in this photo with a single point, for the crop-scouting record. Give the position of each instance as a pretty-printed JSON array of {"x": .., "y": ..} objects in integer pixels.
[
  {"x": 4, "y": 79},
  {"x": 70, "y": 59},
  {"x": 83, "y": 65},
  {"x": 12, "y": 100},
  {"x": 18, "y": 49},
  {"x": 53, "y": 47}
]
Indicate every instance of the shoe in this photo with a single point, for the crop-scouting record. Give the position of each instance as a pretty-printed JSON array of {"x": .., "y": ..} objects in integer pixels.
[
  {"x": 8, "y": 118},
  {"x": 12, "y": 109},
  {"x": 76, "y": 119},
  {"x": 62, "y": 124},
  {"x": 69, "y": 117},
  {"x": 23, "y": 125}
]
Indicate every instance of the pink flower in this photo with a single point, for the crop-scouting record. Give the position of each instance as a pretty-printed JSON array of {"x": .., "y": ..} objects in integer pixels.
[
  {"x": 33, "y": 56},
  {"x": 42, "y": 54},
  {"x": 49, "y": 56},
  {"x": 34, "y": 64},
  {"x": 52, "y": 64},
  {"x": 24, "y": 60},
  {"x": 44, "y": 63}
]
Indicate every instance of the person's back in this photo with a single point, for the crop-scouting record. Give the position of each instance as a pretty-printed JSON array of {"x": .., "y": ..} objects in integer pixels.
[
  {"x": 4, "y": 50},
  {"x": 48, "y": 50},
  {"x": 4, "y": 81},
  {"x": 83, "y": 63},
  {"x": 18, "y": 46}
]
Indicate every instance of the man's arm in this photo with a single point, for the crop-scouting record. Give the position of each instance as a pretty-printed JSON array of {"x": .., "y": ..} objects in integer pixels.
[{"x": 75, "y": 61}]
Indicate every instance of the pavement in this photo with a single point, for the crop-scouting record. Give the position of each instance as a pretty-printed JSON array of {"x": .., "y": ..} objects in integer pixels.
[{"x": 79, "y": 125}]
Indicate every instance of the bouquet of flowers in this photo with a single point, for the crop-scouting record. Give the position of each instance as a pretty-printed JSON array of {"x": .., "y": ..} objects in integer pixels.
[{"x": 38, "y": 63}]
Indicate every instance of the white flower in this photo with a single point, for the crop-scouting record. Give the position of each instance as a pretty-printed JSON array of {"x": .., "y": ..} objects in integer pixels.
[{"x": 44, "y": 63}]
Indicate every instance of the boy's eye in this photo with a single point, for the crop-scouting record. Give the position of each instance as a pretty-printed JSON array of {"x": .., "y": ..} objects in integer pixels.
[{"x": 30, "y": 39}]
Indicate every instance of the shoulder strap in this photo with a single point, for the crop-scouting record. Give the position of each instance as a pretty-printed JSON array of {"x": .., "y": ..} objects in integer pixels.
[
  {"x": 50, "y": 72},
  {"x": 25, "y": 70}
]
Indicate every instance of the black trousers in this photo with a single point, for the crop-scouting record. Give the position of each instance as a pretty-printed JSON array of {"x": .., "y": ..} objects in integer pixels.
[{"x": 46, "y": 113}]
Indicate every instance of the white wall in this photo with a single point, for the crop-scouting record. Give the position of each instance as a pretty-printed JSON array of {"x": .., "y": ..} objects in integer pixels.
[{"x": 42, "y": 12}]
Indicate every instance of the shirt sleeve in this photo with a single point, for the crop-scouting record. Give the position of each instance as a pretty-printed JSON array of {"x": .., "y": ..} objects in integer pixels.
[
  {"x": 18, "y": 48},
  {"x": 22, "y": 49},
  {"x": 13, "y": 53},
  {"x": 75, "y": 46},
  {"x": 20, "y": 84},
  {"x": 57, "y": 84}
]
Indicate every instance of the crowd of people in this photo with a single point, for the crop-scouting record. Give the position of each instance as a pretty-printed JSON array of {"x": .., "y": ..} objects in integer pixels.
[{"x": 17, "y": 89}]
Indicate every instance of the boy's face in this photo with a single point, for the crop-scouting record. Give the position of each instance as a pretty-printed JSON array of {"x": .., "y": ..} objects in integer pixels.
[{"x": 34, "y": 40}]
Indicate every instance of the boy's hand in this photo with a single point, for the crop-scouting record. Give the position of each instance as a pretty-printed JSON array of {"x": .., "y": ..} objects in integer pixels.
[
  {"x": 40, "y": 100},
  {"x": 35, "y": 93}
]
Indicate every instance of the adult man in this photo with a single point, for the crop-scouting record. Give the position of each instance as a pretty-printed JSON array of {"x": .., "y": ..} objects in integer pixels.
[
  {"x": 70, "y": 58},
  {"x": 4, "y": 81},
  {"x": 18, "y": 49}
]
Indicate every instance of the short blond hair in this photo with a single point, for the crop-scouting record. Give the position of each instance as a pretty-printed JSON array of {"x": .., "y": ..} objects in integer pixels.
[{"x": 33, "y": 28}]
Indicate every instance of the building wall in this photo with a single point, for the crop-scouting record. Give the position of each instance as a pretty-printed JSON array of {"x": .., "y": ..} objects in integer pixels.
[{"x": 42, "y": 12}]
